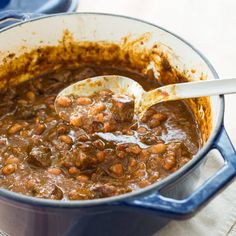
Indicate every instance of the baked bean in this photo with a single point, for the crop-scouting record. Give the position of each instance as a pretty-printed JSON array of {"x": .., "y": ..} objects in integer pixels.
[
  {"x": 142, "y": 130},
  {"x": 159, "y": 116},
  {"x": 132, "y": 164},
  {"x": 83, "y": 101},
  {"x": 128, "y": 131},
  {"x": 97, "y": 109},
  {"x": 24, "y": 133},
  {"x": 15, "y": 128},
  {"x": 66, "y": 139},
  {"x": 73, "y": 170},
  {"x": 76, "y": 120},
  {"x": 12, "y": 160},
  {"x": 54, "y": 171},
  {"x": 144, "y": 183},
  {"x": 154, "y": 123},
  {"x": 82, "y": 178},
  {"x": 173, "y": 169},
  {"x": 62, "y": 129},
  {"x": 147, "y": 115},
  {"x": 51, "y": 106},
  {"x": 37, "y": 120},
  {"x": 134, "y": 149},
  {"x": 63, "y": 115},
  {"x": 99, "y": 117},
  {"x": 157, "y": 148},
  {"x": 121, "y": 154},
  {"x": 9, "y": 169},
  {"x": 31, "y": 96},
  {"x": 107, "y": 127},
  {"x": 144, "y": 155},
  {"x": 22, "y": 102},
  {"x": 121, "y": 147},
  {"x": 117, "y": 169},
  {"x": 30, "y": 183},
  {"x": 156, "y": 119},
  {"x": 169, "y": 162},
  {"x": 39, "y": 128},
  {"x": 154, "y": 177},
  {"x": 101, "y": 156},
  {"x": 82, "y": 157},
  {"x": 67, "y": 164},
  {"x": 63, "y": 101},
  {"x": 139, "y": 173}
]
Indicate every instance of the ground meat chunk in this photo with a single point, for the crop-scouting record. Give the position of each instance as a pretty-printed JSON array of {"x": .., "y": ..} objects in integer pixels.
[
  {"x": 56, "y": 193},
  {"x": 104, "y": 190},
  {"x": 122, "y": 108},
  {"x": 42, "y": 190},
  {"x": 156, "y": 120},
  {"x": 40, "y": 156},
  {"x": 25, "y": 112}
]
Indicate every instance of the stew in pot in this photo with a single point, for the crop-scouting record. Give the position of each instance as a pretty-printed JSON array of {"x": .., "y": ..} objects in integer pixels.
[{"x": 104, "y": 151}]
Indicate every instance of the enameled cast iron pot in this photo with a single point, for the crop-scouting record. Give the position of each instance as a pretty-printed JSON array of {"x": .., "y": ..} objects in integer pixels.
[{"x": 139, "y": 213}]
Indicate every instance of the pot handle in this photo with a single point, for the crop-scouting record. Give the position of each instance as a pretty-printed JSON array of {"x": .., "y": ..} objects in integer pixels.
[
  {"x": 10, "y": 17},
  {"x": 186, "y": 207}
]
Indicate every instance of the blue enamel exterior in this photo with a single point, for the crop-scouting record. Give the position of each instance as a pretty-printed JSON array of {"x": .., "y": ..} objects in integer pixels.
[
  {"x": 4, "y": 3},
  {"x": 10, "y": 17},
  {"x": 141, "y": 214},
  {"x": 39, "y": 6}
]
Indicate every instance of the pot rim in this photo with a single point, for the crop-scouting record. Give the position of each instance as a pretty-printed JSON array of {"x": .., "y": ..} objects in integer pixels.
[{"x": 144, "y": 191}]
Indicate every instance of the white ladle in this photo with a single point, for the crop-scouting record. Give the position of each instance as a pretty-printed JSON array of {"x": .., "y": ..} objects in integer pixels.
[{"x": 121, "y": 85}]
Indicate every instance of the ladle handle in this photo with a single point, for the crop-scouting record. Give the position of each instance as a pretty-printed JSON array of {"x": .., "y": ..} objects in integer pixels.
[
  {"x": 206, "y": 88},
  {"x": 190, "y": 90}
]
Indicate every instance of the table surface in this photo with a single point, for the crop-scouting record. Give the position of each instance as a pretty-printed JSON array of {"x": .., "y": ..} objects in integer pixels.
[{"x": 210, "y": 26}]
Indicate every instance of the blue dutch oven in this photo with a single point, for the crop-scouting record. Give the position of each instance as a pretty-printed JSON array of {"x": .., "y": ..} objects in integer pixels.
[{"x": 144, "y": 211}]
